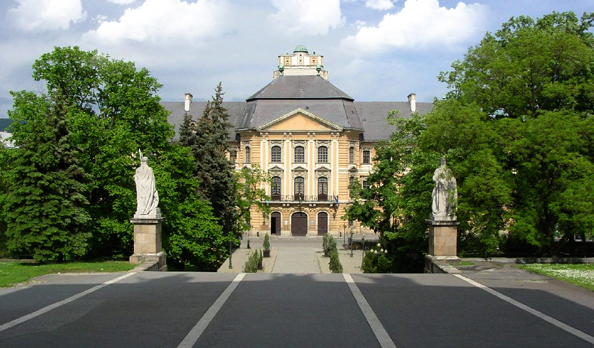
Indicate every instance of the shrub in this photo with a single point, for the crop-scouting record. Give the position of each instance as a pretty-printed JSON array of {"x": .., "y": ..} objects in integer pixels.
[
  {"x": 335, "y": 265},
  {"x": 332, "y": 244},
  {"x": 377, "y": 263},
  {"x": 325, "y": 245},
  {"x": 251, "y": 265},
  {"x": 266, "y": 244}
]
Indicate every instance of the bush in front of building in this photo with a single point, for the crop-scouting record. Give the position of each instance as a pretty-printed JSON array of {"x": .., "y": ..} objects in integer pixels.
[
  {"x": 330, "y": 245},
  {"x": 326, "y": 245},
  {"x": 251, "y": 265},
  {"x": 335, "y": 265},
  {"x": 266, "y": 245}
]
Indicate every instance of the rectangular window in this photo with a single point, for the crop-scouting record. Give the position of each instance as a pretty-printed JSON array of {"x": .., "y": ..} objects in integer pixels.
[
  {"x": 276, "y": 154},
  {"x": 248, "y": 155},
  {"x": 365, "y": 184},
  {"x": 299, "y": 154},
  {"x": 322, "y": 154},
  {"x": 366, "y": 156},
  {"x": 275, "y": 192},
  {"x": 351, "y": 155}
]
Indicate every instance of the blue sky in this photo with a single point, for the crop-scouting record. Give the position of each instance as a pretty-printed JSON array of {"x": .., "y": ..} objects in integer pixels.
[{"x": 375, "y": 50}]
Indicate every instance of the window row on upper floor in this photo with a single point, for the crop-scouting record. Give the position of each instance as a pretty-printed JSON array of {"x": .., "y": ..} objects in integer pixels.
[
  {"x": 299, "y": 155},
  {"x": 298, "y": 189}
]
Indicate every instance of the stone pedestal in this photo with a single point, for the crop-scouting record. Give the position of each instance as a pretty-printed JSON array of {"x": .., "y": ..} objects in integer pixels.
[
  {"x": 147, "y": 243},
  {"x": 443, "y": 239}
]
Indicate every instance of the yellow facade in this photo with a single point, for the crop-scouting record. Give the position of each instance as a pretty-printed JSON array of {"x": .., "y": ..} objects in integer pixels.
[{"x": 310, "y": 132}]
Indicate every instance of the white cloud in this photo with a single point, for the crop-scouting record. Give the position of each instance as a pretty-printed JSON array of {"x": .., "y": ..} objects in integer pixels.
[
  {"x": 379, "y": 4},
  {"x": 121, "y": 2},
  {"x": 163, "y": 21},
  {"x": 421, "y": 23},
  {"x": 42, "y": 15},
  {"x": 100, "y": 18},
  {"x": 360, "y": 24},
  {"x": 307, "y": 17}
]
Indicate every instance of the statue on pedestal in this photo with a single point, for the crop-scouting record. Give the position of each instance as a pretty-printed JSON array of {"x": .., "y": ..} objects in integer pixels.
[
  {"x": 445, "y": 194},
  {"x": 147, "y": 198}
]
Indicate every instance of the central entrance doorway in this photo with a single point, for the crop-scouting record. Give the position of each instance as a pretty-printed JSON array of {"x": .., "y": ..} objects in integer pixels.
[{"x": 299, "y": 224}]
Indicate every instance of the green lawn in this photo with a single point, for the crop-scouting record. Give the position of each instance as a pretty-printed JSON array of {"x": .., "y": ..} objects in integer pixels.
[
  {"x": 16, "y": 272},
  {"x": 582, "y": 275}
]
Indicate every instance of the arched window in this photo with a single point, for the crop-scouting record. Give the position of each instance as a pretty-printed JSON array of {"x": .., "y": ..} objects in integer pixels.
[
  {"x": 351, "y": 155},
  {"x": 299, "y": 154},
  {"x": 233, "y": 156},
  {"x": 366, "y": 156},
  {"x": 322, "y": 189},
  {"x": 275, "y": 192},
  {"x": 299, "y": 188},
  {"x": 322, "y": 154},
  {"x": 248, "y": 155},
  {"x": 276, "y": 154}
]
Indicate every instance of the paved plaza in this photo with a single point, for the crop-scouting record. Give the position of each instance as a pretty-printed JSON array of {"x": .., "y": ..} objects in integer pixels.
[
  {"x": 287, "y": 306},
  {"x": 299, "y": 255}
]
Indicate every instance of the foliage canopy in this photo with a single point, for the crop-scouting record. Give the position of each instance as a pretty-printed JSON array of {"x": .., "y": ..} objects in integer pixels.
[{"x": 516, "y": 129}]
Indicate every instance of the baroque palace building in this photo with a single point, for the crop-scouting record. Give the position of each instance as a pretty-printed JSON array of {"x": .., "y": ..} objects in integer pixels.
[{"x": 311, "y": 137}]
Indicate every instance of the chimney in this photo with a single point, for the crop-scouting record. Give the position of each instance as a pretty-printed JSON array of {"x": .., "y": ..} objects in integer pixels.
[
  {"x": 188, "y": 102},
  {"x": 412, "y": 100}
]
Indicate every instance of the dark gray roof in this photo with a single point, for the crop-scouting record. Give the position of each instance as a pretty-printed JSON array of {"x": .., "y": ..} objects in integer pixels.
[
  {"x": 300, "y": 87},
  {"x": 177, "y": 112},
  {"x": 373, "y": 117},
  {"x": 337, "y": 111},
  {"x": 370, "y": 116},
  {"x": 313, "y": 94}
]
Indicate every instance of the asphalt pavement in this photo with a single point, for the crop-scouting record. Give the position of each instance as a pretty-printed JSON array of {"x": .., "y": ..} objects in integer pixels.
[{"x": 491, "y": 306}]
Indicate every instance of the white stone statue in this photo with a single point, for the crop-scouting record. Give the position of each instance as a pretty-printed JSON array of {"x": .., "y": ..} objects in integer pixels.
[
  {"x": 147, "y": 198},
  {"x": 445, "y": 194}
]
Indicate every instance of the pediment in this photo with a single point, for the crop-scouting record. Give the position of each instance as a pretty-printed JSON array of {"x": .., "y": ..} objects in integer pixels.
[
  {"x": 300, "y": 120},
  {"x": 275, "y": 169},
  {"x": 300, "y": 169}
]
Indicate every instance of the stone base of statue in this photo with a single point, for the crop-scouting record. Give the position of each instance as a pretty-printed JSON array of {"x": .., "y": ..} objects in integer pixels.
[
  {"x": 147, "y": 243},
  {"x": 443, "y": 239}
]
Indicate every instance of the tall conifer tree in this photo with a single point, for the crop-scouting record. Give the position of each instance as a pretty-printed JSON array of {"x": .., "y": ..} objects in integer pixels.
[
  {"x": 45, "y": 204},
  {"x": 209, "y": 141}
]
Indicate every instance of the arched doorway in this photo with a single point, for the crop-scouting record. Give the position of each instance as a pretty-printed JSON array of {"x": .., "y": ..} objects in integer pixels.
[
  {"x": 275, "y": 223},
  {"x": 322, "y": 223},
  {"x": 299, "y": 224}
]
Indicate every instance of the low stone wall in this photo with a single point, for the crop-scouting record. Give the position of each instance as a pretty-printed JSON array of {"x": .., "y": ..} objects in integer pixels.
[{"x": 440, "y": 264}]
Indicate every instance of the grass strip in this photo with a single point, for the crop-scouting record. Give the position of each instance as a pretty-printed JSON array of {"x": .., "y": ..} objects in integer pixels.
[
  {"x": 580, "y": 274},
  {"x": 12, "y": 273}
]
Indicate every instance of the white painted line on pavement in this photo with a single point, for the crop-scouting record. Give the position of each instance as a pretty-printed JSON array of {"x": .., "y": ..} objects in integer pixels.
[
  {"x": 194, "y": 334},
  {"x": 63, "y": 302},
  {"x": 530, "y": 310},
  {"x": 376, "y": 326}
]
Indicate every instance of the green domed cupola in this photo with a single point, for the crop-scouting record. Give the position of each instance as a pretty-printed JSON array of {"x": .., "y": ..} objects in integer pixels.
[{"x": 300, "y": 48}]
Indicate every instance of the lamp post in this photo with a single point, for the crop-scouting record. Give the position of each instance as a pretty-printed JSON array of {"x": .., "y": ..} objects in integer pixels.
[{"x": 230, "y": 256}]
